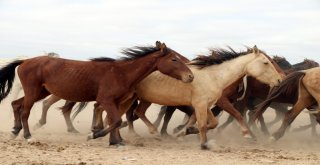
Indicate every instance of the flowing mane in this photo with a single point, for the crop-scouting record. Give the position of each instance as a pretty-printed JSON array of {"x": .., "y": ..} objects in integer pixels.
[
  {"x": 131, "y": 53},
  {"x": 218, "y": 56},
  {"x": 138, "y": 51}
]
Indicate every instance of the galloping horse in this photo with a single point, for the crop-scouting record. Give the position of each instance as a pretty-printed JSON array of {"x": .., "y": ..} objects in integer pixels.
[
  {"x": 108, "y": 81},
  {"x": 212, "y": 75},
  {"x": 257, "y": 91},
  {"x": 299, "y": 88},
  {"x": 230, "y": 94}
]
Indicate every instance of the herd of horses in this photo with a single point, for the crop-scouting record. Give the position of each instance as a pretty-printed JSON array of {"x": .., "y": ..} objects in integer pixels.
[{"x": 236, "y": 82}]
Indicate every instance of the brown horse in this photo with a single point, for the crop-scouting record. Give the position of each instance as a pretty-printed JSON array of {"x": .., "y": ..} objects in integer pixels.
[
  {"x": 300, "y": 88},
  {"x": 109, "y": 82}
]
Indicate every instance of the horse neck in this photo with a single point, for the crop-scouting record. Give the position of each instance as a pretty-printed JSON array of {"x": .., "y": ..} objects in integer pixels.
[
  {"x": 136, "y": 70},
  {"x": 230, "y": 71}
]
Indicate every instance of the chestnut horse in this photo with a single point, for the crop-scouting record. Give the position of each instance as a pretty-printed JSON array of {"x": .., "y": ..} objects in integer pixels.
[
  {"x": 300, "y": 88},
  {"x": 211, "y": 77},
  {"x": 109, "y": 82}
]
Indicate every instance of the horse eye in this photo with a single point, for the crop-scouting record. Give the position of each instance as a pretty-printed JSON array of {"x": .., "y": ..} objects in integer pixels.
[
  {"x": 174, "y": 59},
  {"x": 266, "y": 63}
]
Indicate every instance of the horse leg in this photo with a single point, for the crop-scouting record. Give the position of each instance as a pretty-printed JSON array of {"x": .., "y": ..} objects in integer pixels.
[
  {"x": 225, "y": 104},
  {"x": 66, "y": 111},
  {"x": 168, "y": 114},
  {"x": 113, "y": 117},
  {"x": 212, "y": 120},
  {"x": 160, "y": 116},
  {"x": 279, "y": 110},
  {"x": 140, "y": 112},
  {"x": 45, "y": 107},
  {"x": 201, "y": 116},
  {"x": 17, "y": 106},
  {"x": 97, "y": 121},
  {"x": 304, "y": 100},
  {"x": 263, "y": 125},
  {"x": 31, "y": 96},
  {"x": 313, "y": 119}
]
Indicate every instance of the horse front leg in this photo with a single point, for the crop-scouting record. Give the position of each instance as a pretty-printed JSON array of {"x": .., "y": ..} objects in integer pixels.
[
  {"x": 168, "y": 114},
  {"x": 201, "y": 116},
  {"x": 97, "y": 121},
  {"x": 304, "y": 100},
  {"x": 225, "y": 104},
  {"x": 46, "y": 104},
  {"x": 140, "y": 112},
  {"x": 162, "y": 112},
  {"x": 115, "y": 121}
]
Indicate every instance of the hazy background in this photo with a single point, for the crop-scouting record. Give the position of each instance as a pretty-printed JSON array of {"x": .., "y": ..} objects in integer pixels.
[{"x": 80, "y": 29}]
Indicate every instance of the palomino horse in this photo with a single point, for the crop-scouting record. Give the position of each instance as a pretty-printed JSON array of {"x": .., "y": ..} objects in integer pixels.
[
  {"x": 230, "y": 95},
  {"x": 212, "y": 75},
  {"x": 300, "y": 88},
  {"x": 257, "y": 90},
  {"x": 107, "y": 81}
]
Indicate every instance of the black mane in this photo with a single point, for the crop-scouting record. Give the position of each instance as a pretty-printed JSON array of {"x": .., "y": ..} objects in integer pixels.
[
  {"x": 137, "y": 52},
  {"x": 217, "y": 56},
  {"x": 102, "y": 59},
  {"x": 131, "y": 53}
]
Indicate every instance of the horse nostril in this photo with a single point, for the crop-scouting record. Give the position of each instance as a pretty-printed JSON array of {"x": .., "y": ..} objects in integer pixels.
[
  {"x": 191, "y": 76},
  {"x": 279, "y": 81}
]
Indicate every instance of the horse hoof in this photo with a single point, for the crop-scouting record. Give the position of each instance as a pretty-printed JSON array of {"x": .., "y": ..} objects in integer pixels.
[
  {"x": 248, "y": 136},
  {"x": 37, "y": 126},
  {"x": 208, "y": 145},
  {"x": 181, "y": 134},
  {"x": 90, "y": 136},
  {"x": 272, "y": 139},
  {"x": 13, "y": 136},
  {"x": 73, "y": 131},
  {"x": 31, "y": 140},
  {"x": 157, "y": 137}
]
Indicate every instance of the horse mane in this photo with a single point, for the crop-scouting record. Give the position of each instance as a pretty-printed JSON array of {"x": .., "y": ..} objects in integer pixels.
[
  {"x": 130, "y": 53},
  {"x": 218, "y": 56},
  {"x": 282, "y": 62},
  {"x": 138, "y": 52},
  {"x": 102, "y": 59},
  {"x": 305, "y": 64}
]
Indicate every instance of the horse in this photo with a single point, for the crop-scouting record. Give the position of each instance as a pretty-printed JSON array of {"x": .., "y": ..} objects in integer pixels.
[
  {"x": 230, "y": 95},
  {"x": 212, "y": 75},
  {"x": 301, "y": 89},
  {"x": 108, "y": 81},
  {"x": 253, "y": 95}
]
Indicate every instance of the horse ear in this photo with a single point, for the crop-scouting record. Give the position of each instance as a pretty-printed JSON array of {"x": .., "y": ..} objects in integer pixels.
[
  {"x": 255, "y": 49},
  {"x": 158, "y": 44},
  {"x": 163, "y": 48}
]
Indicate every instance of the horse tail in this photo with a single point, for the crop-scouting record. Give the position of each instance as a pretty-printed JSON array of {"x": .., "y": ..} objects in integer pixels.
[
  {"x": 288, "y": 87},
  {"x": 7, "y": 75},
  {"x": 80, "y": 107}
]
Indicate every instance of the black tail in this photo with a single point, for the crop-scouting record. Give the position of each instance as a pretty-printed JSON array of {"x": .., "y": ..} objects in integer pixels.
[
  {"x": 80, "y": 107},
  {"x": 287, "y": 88},
  {"x": 7, "y": 74}
]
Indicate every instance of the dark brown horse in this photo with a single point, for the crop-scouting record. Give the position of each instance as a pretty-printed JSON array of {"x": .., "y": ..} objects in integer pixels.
[
  {"x": 300, "y": 89},
  {"x": 109, "y": 82}
]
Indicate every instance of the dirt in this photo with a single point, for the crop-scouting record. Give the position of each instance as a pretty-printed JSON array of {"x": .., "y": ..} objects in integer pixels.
[{"x": 53, "y": 145}]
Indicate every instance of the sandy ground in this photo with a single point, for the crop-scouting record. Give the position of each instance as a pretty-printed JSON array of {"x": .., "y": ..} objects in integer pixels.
[{"x": 54, "y": 145}]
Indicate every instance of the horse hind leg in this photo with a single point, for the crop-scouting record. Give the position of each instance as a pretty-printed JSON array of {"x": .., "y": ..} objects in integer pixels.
[
  {"x": 30, "y": 98},
  {"x": 66, "y": 110},
  {"x": 17, "y": 107},
  {"x": 46, "y": 104},
  {"x": 162, "y": 112}
]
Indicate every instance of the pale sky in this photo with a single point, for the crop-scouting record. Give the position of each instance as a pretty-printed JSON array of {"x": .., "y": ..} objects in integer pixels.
[{"x": 82, "y": 29}]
